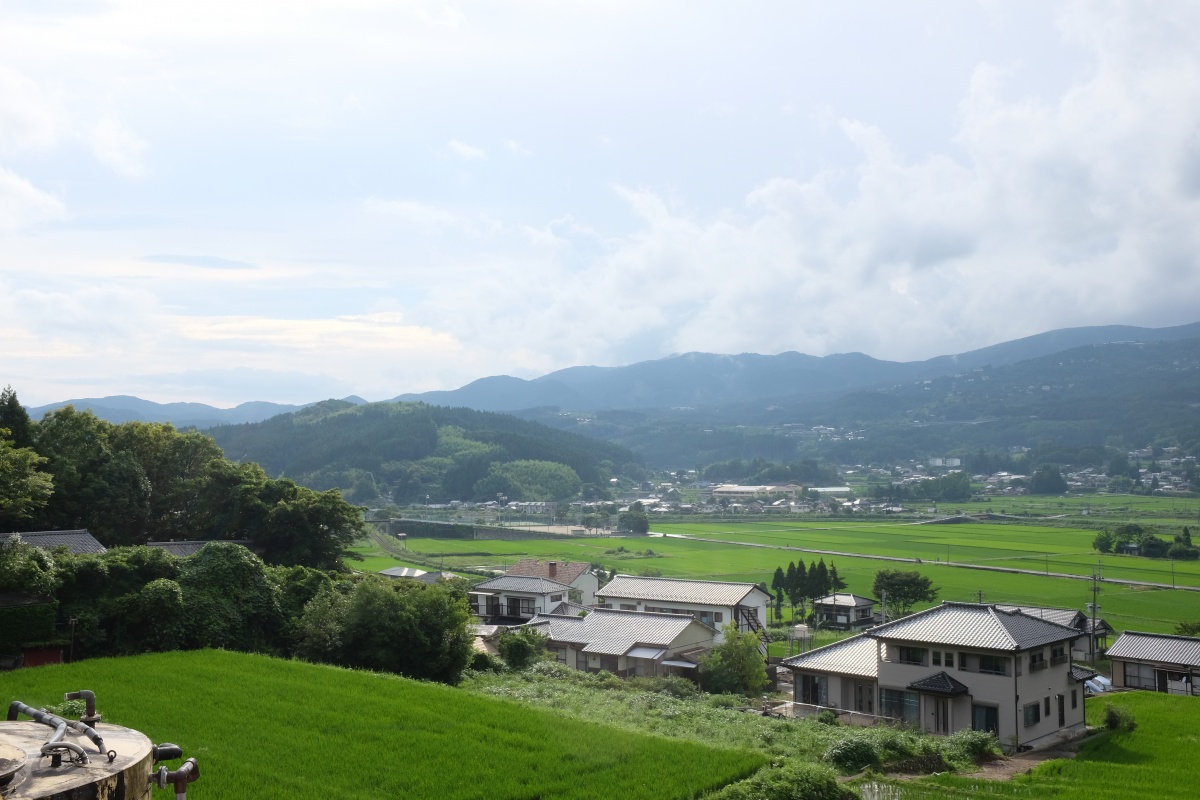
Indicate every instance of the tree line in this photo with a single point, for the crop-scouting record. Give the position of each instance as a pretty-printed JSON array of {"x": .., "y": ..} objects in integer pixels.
[
  {"x": 132, "y": 600},
  {"x": 137, "y": 482}
]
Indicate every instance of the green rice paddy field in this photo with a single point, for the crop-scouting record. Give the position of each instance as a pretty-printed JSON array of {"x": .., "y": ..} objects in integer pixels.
[
  {"x": 1022, "y": 547},
  {"x": 266, "y": 728}
]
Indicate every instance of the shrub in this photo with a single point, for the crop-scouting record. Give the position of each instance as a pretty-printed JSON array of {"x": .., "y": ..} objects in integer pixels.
[
  {"x": 523, "y": 647},
  {"x": 925, "y": 757},
  {"x": 852, "y": 753},
  {"x": 1118, "y": 719},
  {"x": 792, "y": 781},
  {"x": 828, "y": 717},
  {"x": 971, "y": 747},
  {"x": 485, "y": 662}
]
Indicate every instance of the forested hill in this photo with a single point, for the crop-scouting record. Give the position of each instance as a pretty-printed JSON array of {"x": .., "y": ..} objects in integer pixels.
[
  {"x": 406, "y": 452},
  {"x": 1128, "y": 395}
]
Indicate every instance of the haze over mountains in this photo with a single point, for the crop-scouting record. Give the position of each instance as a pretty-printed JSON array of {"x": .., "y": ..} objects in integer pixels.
[{"x": 691, "y": 380}]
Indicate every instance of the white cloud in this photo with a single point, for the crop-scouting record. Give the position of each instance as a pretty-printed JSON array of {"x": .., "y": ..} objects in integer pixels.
[
  {"x": 29, "y": 118},
  {"x": 118, "y": 147},
  {"x": 22, "y": 204},
  {"x": 432, "y": 220},
  {"x": 465, "y": 151}
]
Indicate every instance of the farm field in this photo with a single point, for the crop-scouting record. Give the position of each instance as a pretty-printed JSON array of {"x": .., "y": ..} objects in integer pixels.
[
  {"x": 1028, "y": 547},
  {"x": 267, "y": 728},
  {"x": 1124, "y": 607},
  {"x": 1145, "y": 762}
]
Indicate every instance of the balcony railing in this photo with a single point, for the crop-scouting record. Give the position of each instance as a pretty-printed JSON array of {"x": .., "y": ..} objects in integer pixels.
[
  {"x": 1034, "y": 666},
  {"x": 1061, "y": 659}
]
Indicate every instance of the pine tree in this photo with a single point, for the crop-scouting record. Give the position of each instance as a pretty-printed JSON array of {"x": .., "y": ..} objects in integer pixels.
[{"x": 835, "y": 582}]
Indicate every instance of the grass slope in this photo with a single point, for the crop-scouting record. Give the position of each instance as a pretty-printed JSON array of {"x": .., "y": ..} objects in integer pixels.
[{"x": 267, "y": 728}]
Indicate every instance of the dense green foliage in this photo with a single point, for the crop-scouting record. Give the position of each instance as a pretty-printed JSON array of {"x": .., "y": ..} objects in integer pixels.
[
  {"x": 137, "y": 482},
  {"x": 735, "y": 666},
  {"x": 522, "y": 648},
  {"x": 409, "y": 451},
  {"x": 903, "y": 589},
  {"x": 274, "y": 729},
  {"x": 140, "y": 599}
]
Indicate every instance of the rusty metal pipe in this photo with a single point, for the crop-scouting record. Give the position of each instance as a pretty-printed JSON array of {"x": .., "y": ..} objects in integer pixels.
[
  {"x": 60, "y": 724},
  {"x": 188, "y": 771},
  {"x": 88, "y": 697}
]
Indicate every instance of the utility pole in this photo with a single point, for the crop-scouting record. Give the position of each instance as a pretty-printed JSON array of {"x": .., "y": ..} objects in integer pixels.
[
  {"x": 980, "y": 593},
  {"x": 1092, "y": 631},
  {"x": 883, "y": 601}
]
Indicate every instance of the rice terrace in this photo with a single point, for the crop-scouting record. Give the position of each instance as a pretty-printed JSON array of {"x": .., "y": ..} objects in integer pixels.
[{"x": 268, "y": 728}]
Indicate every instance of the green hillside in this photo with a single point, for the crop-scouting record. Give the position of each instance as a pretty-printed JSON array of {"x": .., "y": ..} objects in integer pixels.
[
  {"x": 267, "y": 728},
  {"x": 410, "y": 451}
]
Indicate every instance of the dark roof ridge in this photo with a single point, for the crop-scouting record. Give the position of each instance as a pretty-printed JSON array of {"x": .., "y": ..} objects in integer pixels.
[
  {"x": 1180, "y": 636},
  {"x": 687, "y": 580}
]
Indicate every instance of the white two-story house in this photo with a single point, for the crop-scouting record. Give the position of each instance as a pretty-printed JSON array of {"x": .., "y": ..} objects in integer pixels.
[
  {"x": 714, "y": 603},
  {"x": 513, "y": 599},
  {"x": 953, "y": 667}
]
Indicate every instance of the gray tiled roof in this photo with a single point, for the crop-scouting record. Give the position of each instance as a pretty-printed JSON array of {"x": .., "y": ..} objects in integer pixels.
[
  {"x": 939, "y": 683},
  {"x": 1070, "y": 617},
  {"x": 190, "y": 548},
  {"x": 564, "y": 571},
  {"x": 1079, "y": 674},
  {"x": 568, "y": 608},
  {"x": 515, "y": 583},
  {"x": 677, "y": 590},
  {"x": 77, "y": 541},
  {"x": 856, "y": 655},
  {"x": 1160, "y": 647},
  {"x": 611, "y": 632},
  {"x": 844, "y": 599},
  {"x": 972, "y": 625}
]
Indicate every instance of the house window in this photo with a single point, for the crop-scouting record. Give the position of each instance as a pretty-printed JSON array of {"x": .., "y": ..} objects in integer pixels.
[
  {"x": 1047, "y": 712},
  {"x": 628, "y": 607},
  {"x": 962, "y": 663},
  {"x": 993, "y": 665},
  {"x": 814, "y": 690},
  {"x": 911, "y": 655},
  {"x": 900, "y": 705},
  {"x": 1139, "y": 676},
  {"x": 1033, "y": 714},
  {"x": 1058, "y": 655},
  {"x": 718, "y": 617},
  {"x": 1037, "y": 660},
  {"x": 560, "y": 654},
  {"x": 949, "y": 659},
  {"x": 1074, "y": 698},
  {"x": 556, "y": 598},
  {"x": 937, "y": 658}
]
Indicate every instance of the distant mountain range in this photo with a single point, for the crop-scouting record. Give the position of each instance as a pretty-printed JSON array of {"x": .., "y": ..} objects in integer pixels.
[
  {"x": 691, "y": 380},
  {"x": 700, "y": 380}
]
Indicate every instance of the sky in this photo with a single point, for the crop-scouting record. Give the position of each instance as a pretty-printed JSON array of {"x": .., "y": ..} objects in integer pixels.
[{"x": 263, "y": 200}]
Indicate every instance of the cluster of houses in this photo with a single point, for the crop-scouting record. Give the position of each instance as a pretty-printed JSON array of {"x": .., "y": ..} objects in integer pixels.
[
  {"x": 957, "y": 666},
  {"x": 1012, "y": 670}
]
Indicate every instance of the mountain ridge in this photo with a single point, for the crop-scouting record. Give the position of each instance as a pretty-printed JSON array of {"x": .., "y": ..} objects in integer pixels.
[{"x": 686, "y": 380}]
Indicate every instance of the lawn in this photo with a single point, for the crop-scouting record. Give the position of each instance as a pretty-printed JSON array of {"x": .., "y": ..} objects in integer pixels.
[
  {"x": 267, "y": 728},
  {"x": 1153, "y": 761}
]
